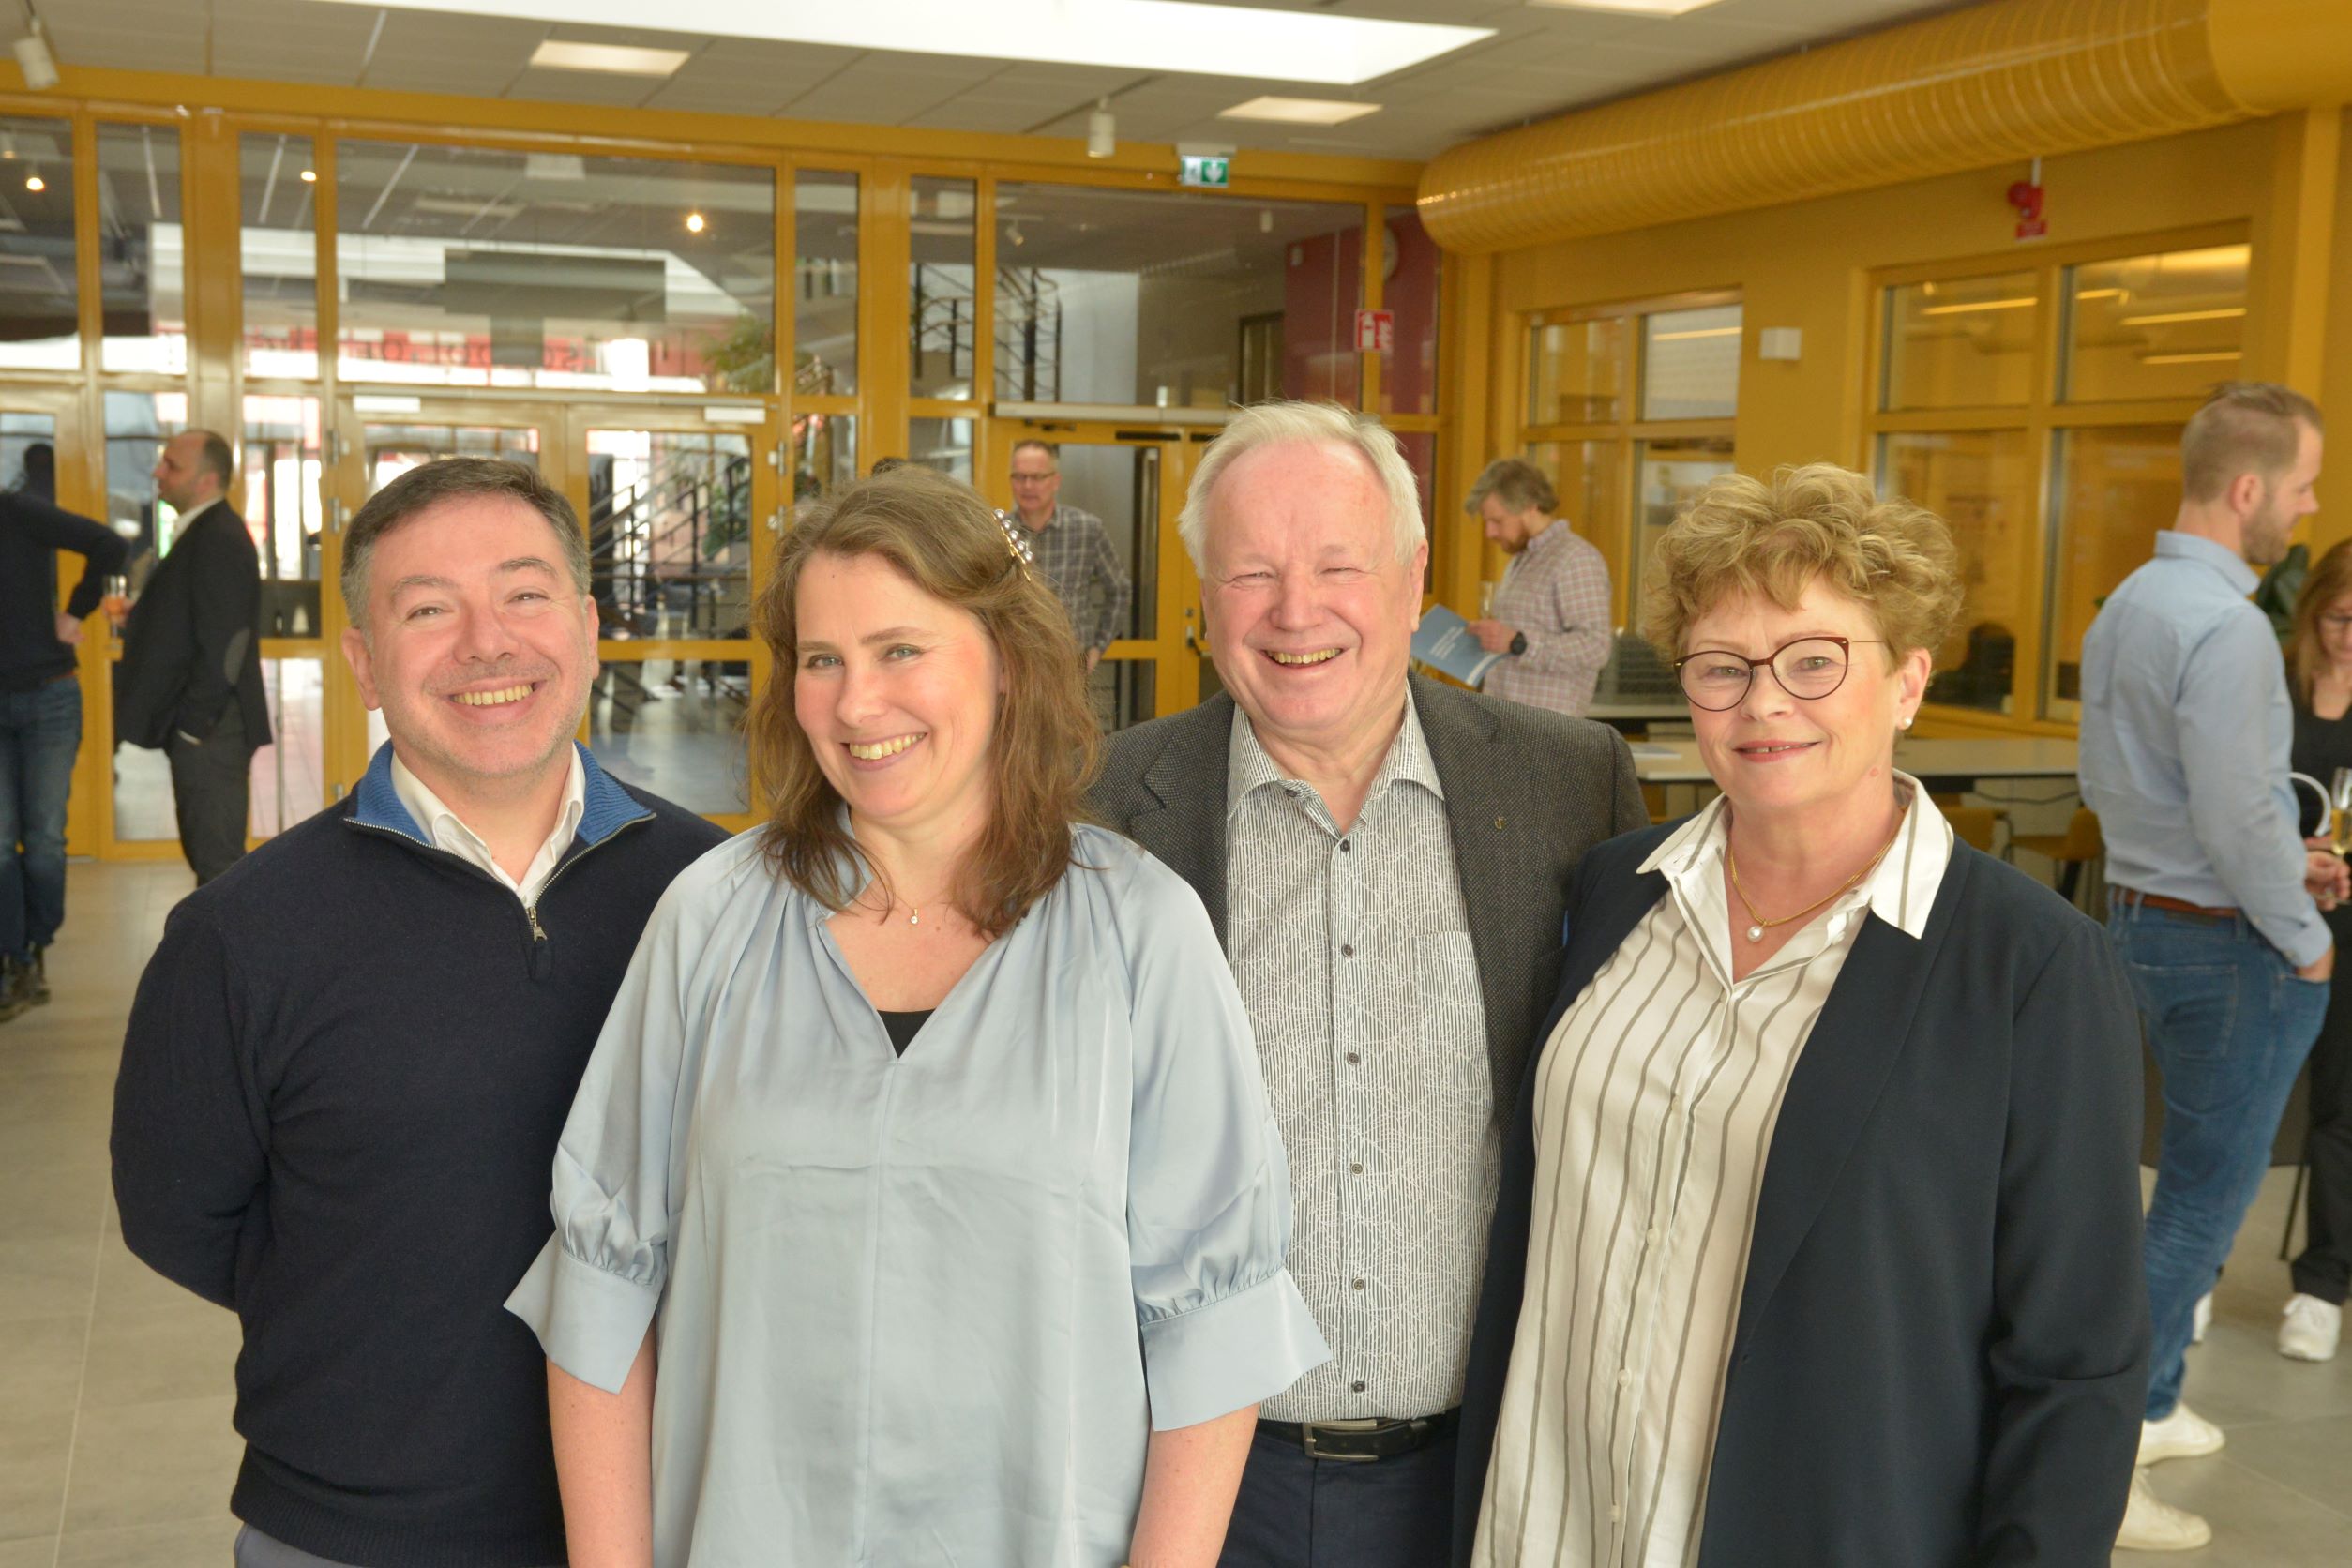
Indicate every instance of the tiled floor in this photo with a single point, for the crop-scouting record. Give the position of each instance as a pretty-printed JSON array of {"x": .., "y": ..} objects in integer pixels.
[{"x": 116, "y": 1449}]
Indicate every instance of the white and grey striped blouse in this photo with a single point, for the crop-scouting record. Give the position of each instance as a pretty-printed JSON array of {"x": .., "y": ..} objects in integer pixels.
[{"x": 1655, "y": 1106}]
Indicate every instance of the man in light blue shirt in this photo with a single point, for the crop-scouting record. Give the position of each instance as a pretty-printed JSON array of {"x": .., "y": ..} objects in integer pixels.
[{"x": 2214, "y": 902}]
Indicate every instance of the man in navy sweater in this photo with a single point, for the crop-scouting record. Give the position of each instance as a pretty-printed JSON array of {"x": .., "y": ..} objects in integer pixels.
[{"x": 351, "y": 1056}]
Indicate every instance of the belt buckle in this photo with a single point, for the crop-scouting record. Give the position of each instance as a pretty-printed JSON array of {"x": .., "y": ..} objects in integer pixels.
[{"x": 1307, "y": 1429}]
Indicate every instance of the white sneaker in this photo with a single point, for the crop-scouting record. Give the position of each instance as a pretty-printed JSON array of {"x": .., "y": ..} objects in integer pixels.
[
  {"x": 2310, "y": 1329},
  {"x": 2182, "y": 1435},
  {"x": 2203, "y": 1319},
  {"x": 2152, "y": 1525}
]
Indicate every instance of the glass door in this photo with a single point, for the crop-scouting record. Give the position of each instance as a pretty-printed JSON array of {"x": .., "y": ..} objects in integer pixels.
[
  {"x": 41, "y": 454},
  {"x": 1134, "y": 480},
  {"x": 677, "y": 511},
  {"x": 382, "y": 438}
]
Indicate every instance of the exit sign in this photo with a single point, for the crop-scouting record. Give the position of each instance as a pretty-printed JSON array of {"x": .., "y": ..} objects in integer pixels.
[{"x": 1216, "y": 173}]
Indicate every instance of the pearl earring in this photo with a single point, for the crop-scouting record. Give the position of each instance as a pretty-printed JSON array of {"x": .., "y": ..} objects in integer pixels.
[{"x": 1902, "y": 723}]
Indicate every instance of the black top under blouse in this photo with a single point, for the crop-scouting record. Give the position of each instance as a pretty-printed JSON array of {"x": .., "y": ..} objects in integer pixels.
[
  {"x": 2321, "y": 746},
  {"x": 902, "y": 1027}
]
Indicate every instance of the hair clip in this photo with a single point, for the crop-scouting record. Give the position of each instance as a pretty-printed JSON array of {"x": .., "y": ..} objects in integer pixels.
[{"x": 1014, "y": 542}]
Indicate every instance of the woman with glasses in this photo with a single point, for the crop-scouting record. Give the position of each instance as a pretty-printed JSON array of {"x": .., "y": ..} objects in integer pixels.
[
  {"x": 1818, "y": 1240},
  {"x": 2319, "y": 665}
]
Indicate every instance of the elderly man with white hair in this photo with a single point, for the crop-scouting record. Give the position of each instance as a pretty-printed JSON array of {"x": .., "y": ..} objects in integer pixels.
[{"x": 1386, "y": 860}]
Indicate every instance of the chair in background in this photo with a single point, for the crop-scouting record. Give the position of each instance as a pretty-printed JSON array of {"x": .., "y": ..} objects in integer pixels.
[
  {"x": 2068, "y": 851},
  {"x": 1977, "y": 826}
]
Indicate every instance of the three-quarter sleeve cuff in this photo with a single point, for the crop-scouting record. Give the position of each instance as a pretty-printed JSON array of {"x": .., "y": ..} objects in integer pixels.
[
  {"x": 589, "y": 1322},
  {"x": 1239, "y": 1351}
]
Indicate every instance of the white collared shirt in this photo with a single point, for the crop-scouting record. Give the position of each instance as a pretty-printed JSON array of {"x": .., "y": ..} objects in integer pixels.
[
  {"x": 450, "y": 835},
  {"x": 1654, "y": 1108}
]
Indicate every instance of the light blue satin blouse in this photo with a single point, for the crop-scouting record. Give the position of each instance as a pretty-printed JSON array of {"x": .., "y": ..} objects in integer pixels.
[{"x": 923, "y": 1310}]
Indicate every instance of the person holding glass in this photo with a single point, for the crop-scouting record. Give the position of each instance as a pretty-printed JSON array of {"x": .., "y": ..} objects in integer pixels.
[
  {"x": 1817, "y": 1238},
  {"x": 2319, "y": 669},
  {"x": 920, "y": 1204}
]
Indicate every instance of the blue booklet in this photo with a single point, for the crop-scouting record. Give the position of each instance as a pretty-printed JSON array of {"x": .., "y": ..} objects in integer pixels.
[{"x": 1444, "y": 644}]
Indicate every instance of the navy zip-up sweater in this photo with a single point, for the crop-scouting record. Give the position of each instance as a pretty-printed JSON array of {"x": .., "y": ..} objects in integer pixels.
[{"x": 347, "y": 1068}]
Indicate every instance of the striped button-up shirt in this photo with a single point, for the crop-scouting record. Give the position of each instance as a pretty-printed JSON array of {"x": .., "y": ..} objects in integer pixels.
[
  {"x": 1556, "y": 591},
  {"x": 1074, "y": 551},
  {"x": 1353, "y": 952},
  {"x": 1654, "y": 1108}
]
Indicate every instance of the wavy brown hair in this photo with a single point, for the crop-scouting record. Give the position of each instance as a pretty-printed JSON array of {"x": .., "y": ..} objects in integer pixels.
[
  {"x": 2329, "y": 580},
  {"x": 1044, "y": 750}
]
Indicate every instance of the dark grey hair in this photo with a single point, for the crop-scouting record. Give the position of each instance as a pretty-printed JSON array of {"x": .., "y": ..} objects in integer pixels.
[{"x": 447, "y": 479}]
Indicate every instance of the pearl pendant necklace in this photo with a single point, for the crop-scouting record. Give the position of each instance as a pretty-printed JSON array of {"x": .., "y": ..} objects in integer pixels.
[
  {"x": 914, "y": 915},
  {"x": 1756, "y": 933}
]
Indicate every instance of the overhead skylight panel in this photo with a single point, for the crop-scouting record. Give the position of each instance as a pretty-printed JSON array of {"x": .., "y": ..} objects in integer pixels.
[{"x": 1123, "y": 35}]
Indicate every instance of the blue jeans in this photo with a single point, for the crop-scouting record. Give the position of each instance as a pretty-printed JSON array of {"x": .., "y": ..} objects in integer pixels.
[
  {"x": 39, "y": 732},
  {"x": 2229, "y": 1023}
]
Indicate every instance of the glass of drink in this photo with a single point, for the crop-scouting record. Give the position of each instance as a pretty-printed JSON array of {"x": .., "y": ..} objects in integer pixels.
[
  {"x": 115, "y": 601},
  {"x": 1486, "y": 601},
  {"x": 2340, "y": 811}
]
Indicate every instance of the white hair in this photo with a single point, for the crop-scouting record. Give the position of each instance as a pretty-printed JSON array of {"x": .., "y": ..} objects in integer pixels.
[{"x": 1305, "y": 424}]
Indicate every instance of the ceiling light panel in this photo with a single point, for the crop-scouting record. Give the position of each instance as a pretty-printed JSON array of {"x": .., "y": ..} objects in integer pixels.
[
  {"x": 1299, "y": 111},
  {"x": 1127, "y": 35},
  {"x": 1640, "y": 8},
  {"x": 618, "y": 59}
]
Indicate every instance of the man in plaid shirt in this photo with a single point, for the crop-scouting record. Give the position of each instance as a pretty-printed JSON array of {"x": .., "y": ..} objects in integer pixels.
[
  {"x": 1550, "y": 617},
  {"x": 1071, "y": 548}
]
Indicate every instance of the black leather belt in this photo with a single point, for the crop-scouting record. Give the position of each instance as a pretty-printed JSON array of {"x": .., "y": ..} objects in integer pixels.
[{"x": 1361, "y": 1442}]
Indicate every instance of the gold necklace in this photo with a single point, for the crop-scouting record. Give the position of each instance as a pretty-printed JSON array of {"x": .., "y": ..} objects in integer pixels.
[{"x": 1759, "y": 925}]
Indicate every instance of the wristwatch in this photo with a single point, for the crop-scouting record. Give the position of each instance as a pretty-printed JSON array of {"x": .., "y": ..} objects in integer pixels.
[{"x": 1518, "y": 642}]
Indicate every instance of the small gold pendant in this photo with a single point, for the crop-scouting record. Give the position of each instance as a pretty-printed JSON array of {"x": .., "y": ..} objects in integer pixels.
[
  {"x": 914, "y": 916},
  {"x": 1756, "y": 933}
]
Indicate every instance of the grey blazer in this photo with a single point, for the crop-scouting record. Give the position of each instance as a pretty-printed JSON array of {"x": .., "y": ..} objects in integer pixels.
[{"x": 1528, "y": 792}]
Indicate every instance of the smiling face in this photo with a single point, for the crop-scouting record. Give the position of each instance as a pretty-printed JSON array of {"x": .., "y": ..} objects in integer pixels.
[
  {"x": 1310, "y": 615},
  {"x": 478, "y": 648},
  {"x": 1776, "y": 755},
  {"x": 897, "y": 694}
]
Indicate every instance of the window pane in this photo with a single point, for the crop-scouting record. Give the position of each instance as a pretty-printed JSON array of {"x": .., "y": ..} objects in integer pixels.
[
  {"x": 288, "y": 776},
  {"x": 1962, "y": 342},
  {"x": 140, "y": 250},
  {"x": 1669, "y": 475},
  {"x": 1120, "y": 484},
  {"x": 471, "y": 267},
  {"x": 941, "y": 299},
  {"x": 1421, "y": 455},
  {"x": 279, "y": 472},
  {"x": 28, "y": 454},
  {"x": 674, "y": 727},
  {"x": 1690, "y": 364},
  {"x": 2155, "y": 326},
  {"x": 278, "y": 245},
  {"x": 669, "y": 533},
  {"x": 941, "y": 443},
  {"x": 137, "y": 426},
  {"x": 825, "y": 455},
  {"x": 1577, "y": 371},
  {"x": 1409, "y": 287},
  {"x": 1129, "y": 299},
  {"x": 824, "y": 283},
  {"x": 1981, "y": 483},
  {"x": 2116, "y": 488},
  {"x": 1592, "y": 492},
  {"x": 393, "y": 449},
  {"x": 38, "y": 288}
]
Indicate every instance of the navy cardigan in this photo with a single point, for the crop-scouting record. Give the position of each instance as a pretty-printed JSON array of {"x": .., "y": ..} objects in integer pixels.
[{"x": 1941, "y": 1351}]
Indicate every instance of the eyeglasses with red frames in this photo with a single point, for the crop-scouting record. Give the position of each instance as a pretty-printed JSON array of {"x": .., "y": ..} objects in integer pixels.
[{"x": 1808, "y": 669}]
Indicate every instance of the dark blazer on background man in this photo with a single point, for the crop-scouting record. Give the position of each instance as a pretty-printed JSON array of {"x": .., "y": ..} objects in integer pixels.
[
  {"x": 1527, "y": 794},
  {"x": 1940, "y": 1354},
  {"x": 192, "y": 644}
]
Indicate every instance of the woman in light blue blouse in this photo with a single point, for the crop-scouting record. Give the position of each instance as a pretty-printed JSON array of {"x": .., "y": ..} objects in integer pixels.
[{"x": 923, "y": 1153}]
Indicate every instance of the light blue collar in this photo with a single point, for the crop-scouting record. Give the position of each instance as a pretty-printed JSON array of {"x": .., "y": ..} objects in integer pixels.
[
  {"x": 607, "y": 807},
  {"x": 2205, "y": 552}
]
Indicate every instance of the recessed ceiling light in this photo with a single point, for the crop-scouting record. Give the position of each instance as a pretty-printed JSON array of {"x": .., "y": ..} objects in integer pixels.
[
  {"x": 1122, "y": 35},
  {"x": 34, "y": 182},
  {"x": 310, "y": 176},
  {"x": 619, "y": 59},
  {"x": 1299, "y": 111},
  {"x": 694, "y": 223},
  {"x": 1647, "y": 7}
]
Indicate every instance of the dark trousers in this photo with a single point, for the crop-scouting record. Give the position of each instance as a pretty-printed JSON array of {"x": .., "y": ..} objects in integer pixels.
[
  {"x": 211, "y": 790},
  {"x": 1295, "y": 1512},
  {"x": 2324, "y": 1268},
  {"x": 39, "y": 731}
]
